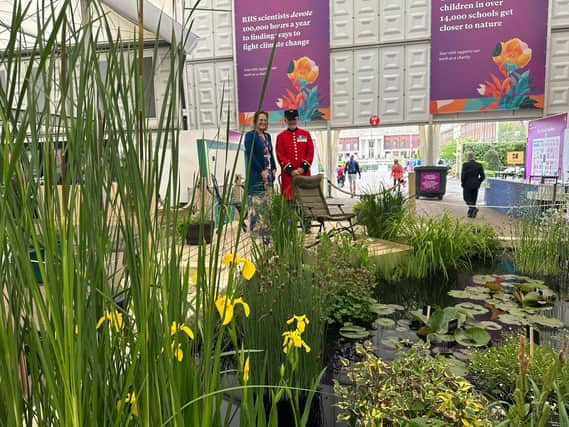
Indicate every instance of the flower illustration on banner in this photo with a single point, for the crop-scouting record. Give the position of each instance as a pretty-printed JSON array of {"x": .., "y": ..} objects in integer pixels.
[
  {"x": 510, "y": 91},
  {"x": 302, "y": 73}
]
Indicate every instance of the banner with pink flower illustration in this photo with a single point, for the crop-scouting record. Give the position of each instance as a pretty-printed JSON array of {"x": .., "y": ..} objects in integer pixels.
[
  {"x": 300, "y": 75},
  {"x": 487, "y": 55}
]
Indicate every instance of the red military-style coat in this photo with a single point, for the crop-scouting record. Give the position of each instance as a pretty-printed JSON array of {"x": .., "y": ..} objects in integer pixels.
[{"x": 295, "y": 149}]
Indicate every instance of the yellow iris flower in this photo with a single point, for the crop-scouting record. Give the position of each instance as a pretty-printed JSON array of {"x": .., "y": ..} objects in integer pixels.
[
  {"x": 246, "y": 368},
  {"x": 225, "y": 308},
  {"x": 129, "y": 400},
  {"x": 114, "y": 317},
  {"x": 248, "y": 268},
  {"x": 175, "y": 327},
  {"x": 301, "y": 322},
  {"x": 194, "y": 277},
  {"x": 177, "y": 352},
  {"x": 294, "y": 339}
]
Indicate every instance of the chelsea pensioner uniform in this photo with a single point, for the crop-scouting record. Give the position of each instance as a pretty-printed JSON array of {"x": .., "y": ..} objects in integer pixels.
[{"x": 295, "y": 149}]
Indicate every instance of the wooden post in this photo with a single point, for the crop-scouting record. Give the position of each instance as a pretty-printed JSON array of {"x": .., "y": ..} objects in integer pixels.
[{"x": 412, "y": 193}]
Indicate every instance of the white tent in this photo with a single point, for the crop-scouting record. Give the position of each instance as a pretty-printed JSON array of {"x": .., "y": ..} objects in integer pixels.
[{"x": 162, "y": 17}]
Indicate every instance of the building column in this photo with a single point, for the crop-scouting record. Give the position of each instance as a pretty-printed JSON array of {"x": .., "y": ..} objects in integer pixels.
[{"x": 430, "y": 143}]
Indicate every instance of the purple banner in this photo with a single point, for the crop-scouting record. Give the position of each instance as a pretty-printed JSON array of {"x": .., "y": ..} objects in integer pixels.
[
  {"x": 430, "y": 182},
  {"x": 300, "y": 75},
  {"x": 544, "y": 153},
  {"x": 487, "y": 55}
]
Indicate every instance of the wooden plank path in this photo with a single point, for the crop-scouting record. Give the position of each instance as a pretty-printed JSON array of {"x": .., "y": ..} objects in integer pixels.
[
  {"x": 379, "y": 247},
  {"x": 376, "y": 248}
]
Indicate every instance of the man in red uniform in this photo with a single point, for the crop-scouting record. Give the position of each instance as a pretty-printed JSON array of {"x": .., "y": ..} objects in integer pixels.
[{"x": 295, "y": 151}]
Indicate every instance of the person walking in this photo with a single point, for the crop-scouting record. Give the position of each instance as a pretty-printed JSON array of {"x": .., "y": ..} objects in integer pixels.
[
  {"x": 260, "y": 161},
  {"x": 295, "y": 152},
  {"x": 471, "y": 177},
  {"x": 397, "y": 174},
  {"x": 353, "y": 168}
]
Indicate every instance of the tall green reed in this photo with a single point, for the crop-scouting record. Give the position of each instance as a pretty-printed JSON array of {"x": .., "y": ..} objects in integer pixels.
[
  {"x": 540, "y": 243},
  {"x": 438, "y": 245},
  {"x": 99, "y": 240}
]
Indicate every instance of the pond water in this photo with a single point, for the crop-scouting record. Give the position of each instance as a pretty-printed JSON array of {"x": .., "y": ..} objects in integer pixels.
[
  {"x": 398, "y": 329},
  {"x": 434, "y": 292}
]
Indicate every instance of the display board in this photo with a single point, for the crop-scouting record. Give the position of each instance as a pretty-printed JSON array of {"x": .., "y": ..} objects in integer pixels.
[
  {"x": 300, "y": 74},
  {"x": 487, "y": 55},
  {"x": 545, "y": 146}
]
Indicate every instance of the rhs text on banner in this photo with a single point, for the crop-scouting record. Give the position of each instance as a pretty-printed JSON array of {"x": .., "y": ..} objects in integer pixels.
[{"x": 300, "y": 75}]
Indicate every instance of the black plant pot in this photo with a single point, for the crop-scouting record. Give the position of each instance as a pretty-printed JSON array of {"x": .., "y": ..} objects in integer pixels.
[
  {"x": 285, "y": 414},
  {"x": 194, "y": 235}
]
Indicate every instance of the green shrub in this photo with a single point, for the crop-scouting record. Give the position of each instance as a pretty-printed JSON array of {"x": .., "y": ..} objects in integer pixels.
[
  {"x": 381, "y": 212},
  {"x": 413, "y": 390},
  {"x": 343, "y": 272},
  {"x": 493, "y": 159},
  {"x": 495, "y": 370}
]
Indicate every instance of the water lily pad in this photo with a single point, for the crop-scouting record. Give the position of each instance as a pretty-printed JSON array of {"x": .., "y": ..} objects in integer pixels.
[
  {"x": 482, "y": 279},
  {"x": 354, "y": 332},
  {"x": 472, "y": 292},
  {"x": 510, "y": 319},
  {"x": 402, "y": 329},
  {"x": 396, "y": 307},
  {"x": 472, "y": 337},
  {"x": 440, "y": 338},
  {"x": 457, "y": 367},
  {"x": 549, "y": 322},
  {"x": 490, "y": 326},
  {"x": 462, "y": 354},
  {"x": 404, "y": 322},
  {"x": 473, "y": 309},
  {"x": 384, "y": 322},
  {"x": 381, "y": 309}
]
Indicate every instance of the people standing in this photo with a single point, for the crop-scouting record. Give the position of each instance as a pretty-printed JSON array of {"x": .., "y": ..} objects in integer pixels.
[
  {"x": 259, "y": 160},
  {"x": 340, "y": 177},
  {"x": 471, "y": 177},
  {"x": 295, "y": 152},
  {"x": 353, "y": 168},
  {"x": 397, "y": 174}
]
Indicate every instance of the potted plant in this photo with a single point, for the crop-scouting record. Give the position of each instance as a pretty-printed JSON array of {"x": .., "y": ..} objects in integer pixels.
[{"x": 200, "y": 226}]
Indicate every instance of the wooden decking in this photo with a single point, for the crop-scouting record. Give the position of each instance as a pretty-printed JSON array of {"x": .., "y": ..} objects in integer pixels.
[
  {"x": 376, "y": 248},
  {"x": 379, "y": 247}
]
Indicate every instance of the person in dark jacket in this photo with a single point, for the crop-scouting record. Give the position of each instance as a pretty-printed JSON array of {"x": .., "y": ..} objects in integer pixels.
[
  {"x": 471, "y": 178},
  {"x": 259, "y": 153}
]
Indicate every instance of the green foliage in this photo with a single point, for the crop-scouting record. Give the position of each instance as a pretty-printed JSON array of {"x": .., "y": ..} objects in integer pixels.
[
  {"x": 512, "y": 133},
  {"x": 495, "y": 370},
  {"x": 343, "y": 273},
  {"x": 492, "y": 158},
  {"x": 380, "y": 212},
  {"x": 448, "y": 152},
  {"x": 539, "y": 409},
  {"x": 538, "y": 248},
  {"x": 480, "y": 149},
  {"x": 436, "y": 327},
  {"x": 283, "y": 286},
  {"x": 415, "y": 386},
  {"x": 439, "y": 244},
  {"x": 277, "y": 225}
]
